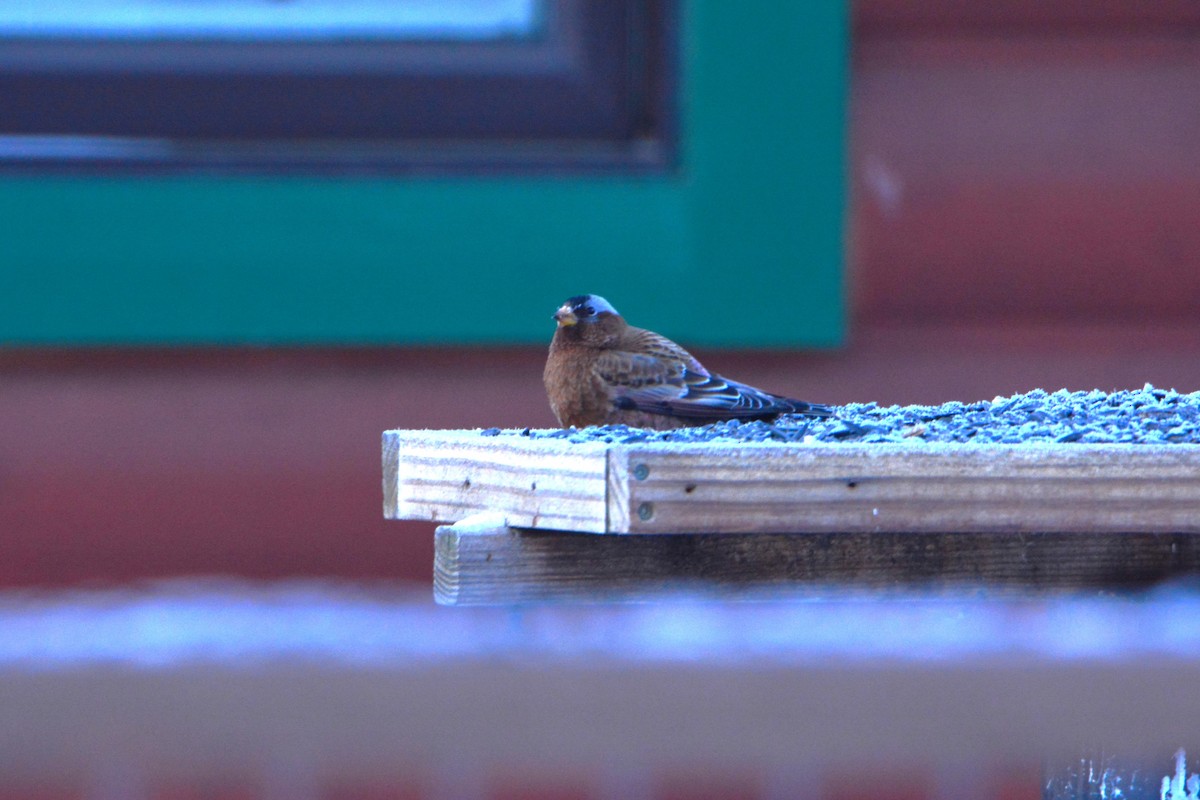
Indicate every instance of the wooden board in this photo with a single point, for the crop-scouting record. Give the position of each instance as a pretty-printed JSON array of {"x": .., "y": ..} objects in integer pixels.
[
  {"x": 480, "y": 561},
  {"x": 447, "y": 476},
  {"x": 450, "y": 475}
]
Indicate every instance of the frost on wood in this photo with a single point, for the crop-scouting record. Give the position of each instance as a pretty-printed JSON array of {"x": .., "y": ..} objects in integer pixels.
[{"x": 1179, "y": 786}]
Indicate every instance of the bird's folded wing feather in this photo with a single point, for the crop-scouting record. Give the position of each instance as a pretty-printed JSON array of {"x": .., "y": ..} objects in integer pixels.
[{"x": 663, "y": 378}]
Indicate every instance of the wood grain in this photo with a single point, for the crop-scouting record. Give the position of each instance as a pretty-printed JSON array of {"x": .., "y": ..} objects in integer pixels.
[
  {"x": 931, "y": 488},
  {"x": 815, "y": 488},
  {"x": 446, "y": 476},
  {"x": 482, "y": 563}
]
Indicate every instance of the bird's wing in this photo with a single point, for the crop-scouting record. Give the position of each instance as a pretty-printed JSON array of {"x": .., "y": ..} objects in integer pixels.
[
  {"x": 656, "y": 375},
  {"x": 638, "y": 380}
]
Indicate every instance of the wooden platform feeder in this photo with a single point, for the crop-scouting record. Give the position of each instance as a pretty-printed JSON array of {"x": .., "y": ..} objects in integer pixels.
[{"x": 744, "y": 518}]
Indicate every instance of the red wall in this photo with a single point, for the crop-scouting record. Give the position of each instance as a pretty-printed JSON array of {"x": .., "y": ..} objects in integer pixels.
[{"x": 1020, "y": 159}]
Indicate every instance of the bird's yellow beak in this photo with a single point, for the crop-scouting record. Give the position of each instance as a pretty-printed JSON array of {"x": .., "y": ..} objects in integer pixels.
[{"x": 565, "y": 316}]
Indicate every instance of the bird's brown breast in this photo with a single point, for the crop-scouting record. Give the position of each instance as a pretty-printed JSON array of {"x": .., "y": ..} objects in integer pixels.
[{"x": 577, "y": 395}]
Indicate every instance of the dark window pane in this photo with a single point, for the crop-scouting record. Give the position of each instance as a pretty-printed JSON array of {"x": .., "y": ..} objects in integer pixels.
[{"x": 576, "y": 84}]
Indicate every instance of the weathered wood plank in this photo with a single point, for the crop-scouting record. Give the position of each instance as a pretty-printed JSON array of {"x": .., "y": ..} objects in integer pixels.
[
  {"x": 450, "y": 475},
  {"x": 776, "y": 488},
  {"x": 923, "y": 487},
  {"x": 480, "y": 561}
]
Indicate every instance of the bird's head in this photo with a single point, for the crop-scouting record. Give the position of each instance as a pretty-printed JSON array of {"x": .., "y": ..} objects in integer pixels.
[
  {"x": 588, "y": 317},
  {"x": 583, "y": 309}
]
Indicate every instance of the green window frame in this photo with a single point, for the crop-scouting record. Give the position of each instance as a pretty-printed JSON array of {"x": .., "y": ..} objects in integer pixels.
[{"x": 741, "y": 245}]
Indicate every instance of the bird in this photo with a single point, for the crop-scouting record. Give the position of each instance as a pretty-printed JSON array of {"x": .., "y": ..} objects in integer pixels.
[{"x": 603, "y": 371}]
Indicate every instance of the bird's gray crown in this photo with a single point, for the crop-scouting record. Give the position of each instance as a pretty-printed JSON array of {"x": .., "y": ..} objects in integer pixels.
[{"x": 595, "y": 302}]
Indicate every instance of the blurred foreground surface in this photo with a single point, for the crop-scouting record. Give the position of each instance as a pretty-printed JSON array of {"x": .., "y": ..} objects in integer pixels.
[{"x": 320, "y": 690}]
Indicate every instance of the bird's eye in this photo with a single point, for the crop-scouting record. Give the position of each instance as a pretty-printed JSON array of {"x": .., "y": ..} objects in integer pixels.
[{"x": 587, "y": 311}]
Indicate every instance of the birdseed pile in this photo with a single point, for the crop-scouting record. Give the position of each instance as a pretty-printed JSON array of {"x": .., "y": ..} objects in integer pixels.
[{"x": 1139, "y": 416}]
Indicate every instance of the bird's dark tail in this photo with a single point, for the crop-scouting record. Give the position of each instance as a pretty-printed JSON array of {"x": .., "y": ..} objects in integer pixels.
[{"x": 791, "y": 406}]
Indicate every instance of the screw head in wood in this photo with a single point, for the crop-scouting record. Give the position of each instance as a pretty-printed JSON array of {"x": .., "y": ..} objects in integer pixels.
[
  {"x": 645, "y": 511},
  {"x": 641, "y": 472}
]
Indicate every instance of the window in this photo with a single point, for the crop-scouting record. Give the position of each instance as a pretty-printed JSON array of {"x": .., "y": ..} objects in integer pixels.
[
  {"x": 755, "y": 207},
  {"x": 351, "y": 86}
]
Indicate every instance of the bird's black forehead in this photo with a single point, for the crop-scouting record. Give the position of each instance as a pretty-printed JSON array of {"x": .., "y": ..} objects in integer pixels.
[{"x": 579, "y": 300}]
